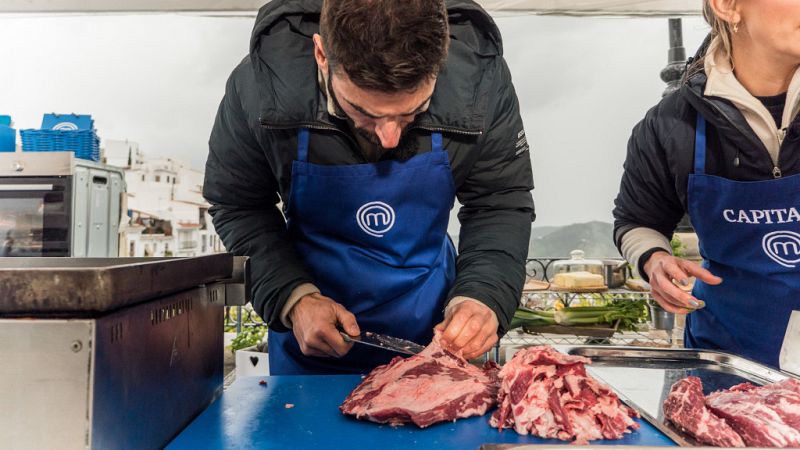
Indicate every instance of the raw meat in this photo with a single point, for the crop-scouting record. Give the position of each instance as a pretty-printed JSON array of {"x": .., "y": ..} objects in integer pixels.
[
  {"x": 685, "y": 407},
  {"x": 433, "y": 386},
  {"x": 783, "y": 397},
  {"x": 548, "y": 394},
  {"x": 763, "y": 416}
]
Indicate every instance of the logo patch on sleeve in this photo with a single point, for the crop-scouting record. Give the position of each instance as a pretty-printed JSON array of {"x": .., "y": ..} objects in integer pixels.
[{"x": 522, "y": 143}]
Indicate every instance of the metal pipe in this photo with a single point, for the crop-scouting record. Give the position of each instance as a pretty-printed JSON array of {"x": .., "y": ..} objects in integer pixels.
[{"x": 676, "y": 57}]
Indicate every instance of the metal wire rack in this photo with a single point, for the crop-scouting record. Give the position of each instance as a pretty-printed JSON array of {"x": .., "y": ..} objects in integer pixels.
[
  {"x": 541, "y": 269},
  {"x": 546, "y": 299},
  {"x": 640, "y": 338}
]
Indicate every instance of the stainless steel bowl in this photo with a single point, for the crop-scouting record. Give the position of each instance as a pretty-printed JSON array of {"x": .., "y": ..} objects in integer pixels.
[
  {"x": 615, "y": 273},
  {"x": 660, "y": 318}
]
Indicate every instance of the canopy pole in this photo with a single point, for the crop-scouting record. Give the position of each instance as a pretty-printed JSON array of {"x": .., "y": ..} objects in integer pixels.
[{"x": 676, "y": 57}]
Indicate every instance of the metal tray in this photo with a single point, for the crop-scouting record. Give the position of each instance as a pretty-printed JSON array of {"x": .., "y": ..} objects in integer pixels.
[
  {"x": 643, "y": 376},
  {"x": 80, "y": 287}
]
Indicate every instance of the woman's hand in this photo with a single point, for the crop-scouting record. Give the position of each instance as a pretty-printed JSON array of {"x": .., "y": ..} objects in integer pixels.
[{"x": 665, "y": 271}]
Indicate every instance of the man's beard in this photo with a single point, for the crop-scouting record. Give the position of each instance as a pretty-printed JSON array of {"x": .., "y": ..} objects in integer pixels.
[{"x": 366, "y": 135}]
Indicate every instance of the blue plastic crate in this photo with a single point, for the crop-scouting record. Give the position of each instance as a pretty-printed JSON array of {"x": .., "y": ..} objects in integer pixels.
[
  {"x": 84, "y": 143},
  {"x": 8, "y": 139},
  {"x": 67, "y": 122}
]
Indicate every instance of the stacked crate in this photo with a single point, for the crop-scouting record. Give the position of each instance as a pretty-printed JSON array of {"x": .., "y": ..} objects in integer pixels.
[
  {"x": 8, "y": 135},
  {"x": 64, "y": 133}
]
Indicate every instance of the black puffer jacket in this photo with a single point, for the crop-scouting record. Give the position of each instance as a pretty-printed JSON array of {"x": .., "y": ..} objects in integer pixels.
[
  {"x": 275, "y": 91},
  {"x": 653, "y": 192}
]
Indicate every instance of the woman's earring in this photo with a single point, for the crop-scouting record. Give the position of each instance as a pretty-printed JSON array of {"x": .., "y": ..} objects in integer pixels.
[{"x": 736, "y": 27}]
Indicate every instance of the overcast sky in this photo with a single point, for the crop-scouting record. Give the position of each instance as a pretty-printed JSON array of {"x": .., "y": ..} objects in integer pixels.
[{"x": 583, "y": 83}]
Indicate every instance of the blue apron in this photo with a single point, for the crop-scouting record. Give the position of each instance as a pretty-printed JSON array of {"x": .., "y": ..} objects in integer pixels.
[
  {"x": 749, "y": 236},
  {"x": 374, "y": 238}
]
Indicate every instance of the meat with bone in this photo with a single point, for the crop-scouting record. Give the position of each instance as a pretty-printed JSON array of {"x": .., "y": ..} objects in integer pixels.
[
  {"x": 548, "y": 394},
  {"x": 433, "y": 386},
  {"x": 764, "y": 416},
  {"x": 685, "y": 407},
  {"x": 782, "y": 397},
  {"x": 761, "y": 416}
]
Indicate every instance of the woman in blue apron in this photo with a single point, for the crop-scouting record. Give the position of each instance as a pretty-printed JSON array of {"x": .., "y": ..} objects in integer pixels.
[{"x": 724, "y": 148}]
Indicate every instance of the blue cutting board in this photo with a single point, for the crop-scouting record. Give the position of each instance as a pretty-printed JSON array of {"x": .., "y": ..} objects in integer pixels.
[{"x": 252, "y": 416}]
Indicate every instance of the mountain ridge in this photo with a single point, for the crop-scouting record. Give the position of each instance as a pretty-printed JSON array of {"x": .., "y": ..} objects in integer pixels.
[{"x": 594, "y": 238}]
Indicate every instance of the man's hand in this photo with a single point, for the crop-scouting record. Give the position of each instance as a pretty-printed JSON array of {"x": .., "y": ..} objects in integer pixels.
[
  {"x": 663, "y": 268},
  {"x": 316, "y": 320},
  {"x": 470, "y": 327}
]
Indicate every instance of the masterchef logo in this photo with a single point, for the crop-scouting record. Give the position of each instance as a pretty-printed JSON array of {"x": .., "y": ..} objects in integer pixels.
[
  {"x": 66, "y": 126},
  {"x": 375, "y": 218},
  {"x": 783, "y": 247}
]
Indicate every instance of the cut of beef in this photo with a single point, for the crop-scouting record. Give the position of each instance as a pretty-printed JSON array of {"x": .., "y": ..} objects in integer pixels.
[
  {"x": 782, "y": 397},
  {"x": 433, "y": 386},
  {"x": 763, "y": 416},
  {"x": 548, "y": 394},
  {"x": 685, "y": 407}
]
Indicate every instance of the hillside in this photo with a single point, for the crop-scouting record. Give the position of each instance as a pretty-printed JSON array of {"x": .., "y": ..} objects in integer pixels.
[{"x": 594, "y": 238}]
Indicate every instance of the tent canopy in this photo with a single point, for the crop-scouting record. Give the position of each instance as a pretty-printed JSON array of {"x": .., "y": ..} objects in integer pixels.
[{"x": 561, "y": 7}]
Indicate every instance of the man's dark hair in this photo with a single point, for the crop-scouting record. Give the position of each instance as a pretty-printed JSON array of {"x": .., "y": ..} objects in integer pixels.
[{"x": 385, "y": 45}]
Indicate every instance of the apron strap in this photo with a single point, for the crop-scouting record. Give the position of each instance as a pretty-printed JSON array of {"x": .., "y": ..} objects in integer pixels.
[
  {"x": 436, "y": 142},
  {"x": 302, "y": 144},
  {"x": 700, "y": 146}
]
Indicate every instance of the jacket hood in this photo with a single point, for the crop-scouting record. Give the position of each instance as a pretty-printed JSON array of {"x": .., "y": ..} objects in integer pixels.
[
  {"x": 281, "y": 54},
  {"x": 713, "y": 90}
]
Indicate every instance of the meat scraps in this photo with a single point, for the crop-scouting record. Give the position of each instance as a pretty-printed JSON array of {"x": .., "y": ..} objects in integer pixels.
[
  {"x": 685, "y": 407},
  {"x": 762, "y": 416},
  {"x": 548, "y": 394},
  {"x": 432, "y": 386}
]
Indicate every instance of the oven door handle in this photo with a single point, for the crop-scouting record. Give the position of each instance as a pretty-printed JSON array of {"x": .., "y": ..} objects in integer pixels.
[{"x": 25, "y": 187}]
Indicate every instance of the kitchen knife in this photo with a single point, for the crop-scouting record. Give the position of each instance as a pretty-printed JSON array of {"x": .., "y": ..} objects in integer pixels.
[{"x": 384, "y": 342}]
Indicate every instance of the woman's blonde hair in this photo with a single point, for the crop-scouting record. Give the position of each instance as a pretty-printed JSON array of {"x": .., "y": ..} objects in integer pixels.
[{"x": 719, "y": 29}]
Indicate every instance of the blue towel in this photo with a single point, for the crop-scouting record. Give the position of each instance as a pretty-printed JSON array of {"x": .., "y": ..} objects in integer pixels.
[{"x": 5, "y": 120}]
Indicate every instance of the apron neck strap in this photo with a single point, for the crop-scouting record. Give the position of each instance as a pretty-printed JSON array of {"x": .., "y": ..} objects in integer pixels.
[
  {"x": 436, "y": 142},
  {"x": 302, "y": 144},
  {"x": 700, "y": 146}
]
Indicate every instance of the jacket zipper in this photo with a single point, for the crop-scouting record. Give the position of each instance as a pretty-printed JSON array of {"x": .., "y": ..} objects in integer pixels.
[
  {"x": 451, "y": 130},
  {"x": 311, "y": 125},
  {"x": 776, "y": 170},
  {"x": 319, "y": 126}
]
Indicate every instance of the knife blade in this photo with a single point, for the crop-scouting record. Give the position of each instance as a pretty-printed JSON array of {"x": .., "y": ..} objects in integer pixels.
[{"x": 384, "y": 342}]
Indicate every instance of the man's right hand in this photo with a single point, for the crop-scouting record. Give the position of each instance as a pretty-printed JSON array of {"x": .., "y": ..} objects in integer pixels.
[
  {"x": 663, "y": 268},
  {"x": 316, "y": 320}
]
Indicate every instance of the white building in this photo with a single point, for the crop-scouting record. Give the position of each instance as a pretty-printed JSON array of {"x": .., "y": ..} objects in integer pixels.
[{"x": 168, "y": 214}]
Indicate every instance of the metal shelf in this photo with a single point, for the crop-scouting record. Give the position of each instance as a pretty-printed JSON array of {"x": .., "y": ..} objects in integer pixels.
[
  {"x": 646, "y": 336},
  {"x": 546, "y": 298},
  {"x": 641, "y": 338}
]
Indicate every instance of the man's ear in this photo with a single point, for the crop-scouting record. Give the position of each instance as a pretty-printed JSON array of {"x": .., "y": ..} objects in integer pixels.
[{"x": 319, "y": 54}]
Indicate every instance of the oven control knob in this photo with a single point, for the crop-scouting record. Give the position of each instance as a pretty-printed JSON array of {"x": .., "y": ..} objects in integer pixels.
[{"x": 18, "y": 167}]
